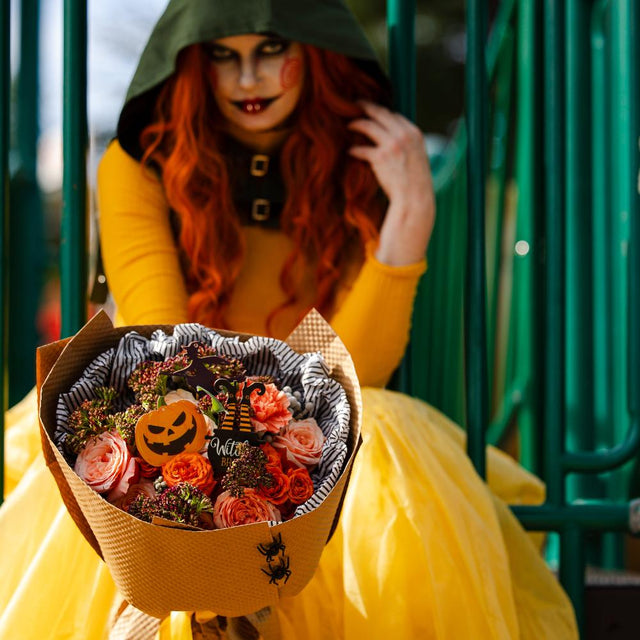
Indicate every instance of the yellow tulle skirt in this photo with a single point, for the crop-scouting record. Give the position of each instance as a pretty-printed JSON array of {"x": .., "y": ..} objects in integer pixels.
[{"x": 424, "y": 549}]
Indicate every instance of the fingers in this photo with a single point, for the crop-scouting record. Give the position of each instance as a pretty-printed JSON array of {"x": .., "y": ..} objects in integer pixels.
[
  {"x": 369, "y": 128},
  {"x": 362, "y": 153},
  {"x": 390, "y": 121},
  {"x": 383, "y": 125}
]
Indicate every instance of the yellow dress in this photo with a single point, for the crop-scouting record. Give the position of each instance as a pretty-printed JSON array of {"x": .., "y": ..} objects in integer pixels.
[{"x": 425, "y": 549}]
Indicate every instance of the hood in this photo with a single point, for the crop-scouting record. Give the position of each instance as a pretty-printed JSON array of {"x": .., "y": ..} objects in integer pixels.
[{"x": 327, "y": 24}]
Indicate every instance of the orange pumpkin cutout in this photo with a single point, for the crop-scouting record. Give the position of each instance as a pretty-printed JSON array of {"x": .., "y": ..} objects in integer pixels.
[{"x": 164, "y": 433}]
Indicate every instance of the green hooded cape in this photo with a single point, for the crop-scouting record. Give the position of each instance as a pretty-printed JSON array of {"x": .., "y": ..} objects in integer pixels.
[{"x": 327, "y": 24}]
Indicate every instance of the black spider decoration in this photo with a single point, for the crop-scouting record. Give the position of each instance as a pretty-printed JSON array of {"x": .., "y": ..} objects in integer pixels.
[
  {"x": 278, "y": 571},
  {"x": 272, "y": 549}
]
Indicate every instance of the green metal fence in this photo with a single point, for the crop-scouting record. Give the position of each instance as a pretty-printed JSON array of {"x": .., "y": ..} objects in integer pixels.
[
  {"x": 532, "y": 290},
  {"x": 567, "y": 380}
]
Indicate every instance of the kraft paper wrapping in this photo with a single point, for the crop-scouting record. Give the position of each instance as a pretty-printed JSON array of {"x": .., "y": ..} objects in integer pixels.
[{"x": 160, "y": 569}]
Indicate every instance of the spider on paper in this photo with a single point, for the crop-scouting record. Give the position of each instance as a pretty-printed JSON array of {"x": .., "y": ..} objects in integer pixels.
[{"x": 278, "y": 571}]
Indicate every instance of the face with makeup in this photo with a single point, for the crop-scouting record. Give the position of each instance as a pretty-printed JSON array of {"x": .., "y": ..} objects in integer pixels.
[{"x": 257, "y": 80}]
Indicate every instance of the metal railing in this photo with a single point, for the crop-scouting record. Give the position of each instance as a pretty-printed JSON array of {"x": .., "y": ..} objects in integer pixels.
[{"x": 549, "y": 114}]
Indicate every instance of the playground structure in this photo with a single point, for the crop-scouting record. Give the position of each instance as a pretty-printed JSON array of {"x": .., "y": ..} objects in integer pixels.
[{"x": 527, "y": 325}]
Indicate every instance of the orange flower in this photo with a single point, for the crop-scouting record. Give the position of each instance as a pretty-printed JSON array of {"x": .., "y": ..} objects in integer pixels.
[
  {"x": 147, "y": 470},
  {"x": 250, "y": 507},
  {"x": 273, "y": 457},
  {"x": 191, "y": 468},
  {"x": 270, "y": 411},
  {"x": 278, "y": 492},
  {"x": 300, "y": 485}
]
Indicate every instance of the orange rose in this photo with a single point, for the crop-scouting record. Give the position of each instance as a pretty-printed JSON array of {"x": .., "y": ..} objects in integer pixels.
[
  {"x": 147, "y": 470},
  {"x": 300, "y": 485},
  {"x": 273, "y": 457},
  {"x": 303, "y": 441},
  {"x": 250, "y": 507},
  {"x": 278, "y": 492},
  {"x": 191, "y": 468}
]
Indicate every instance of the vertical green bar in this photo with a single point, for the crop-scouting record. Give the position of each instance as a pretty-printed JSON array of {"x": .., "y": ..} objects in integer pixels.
[
  {"x": 5, "y": 105},
  {"x": 475, "y": 325},
  {"x": 27, "y": 266},
  {"x": 603, "y": 312},
  {"x": 401, "y": 17},
  {"x": 600, "y": 185},
  {"x": 620, "y": 149},
  {"x": 633, "y": 399},
  {"x": 74, "y": 185},
  {"x": 578, "y": 328},
  {"x": 27, "y": 117},
  {"x": 554, "y": 230},
  {"x": 498, "y": 181},
  {"x": 526, "y": 343},
  {"x": 572, "y": 568}
]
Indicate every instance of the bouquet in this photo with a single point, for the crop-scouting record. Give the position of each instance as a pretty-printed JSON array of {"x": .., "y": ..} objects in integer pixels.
[{"x": 207, "y": 468}]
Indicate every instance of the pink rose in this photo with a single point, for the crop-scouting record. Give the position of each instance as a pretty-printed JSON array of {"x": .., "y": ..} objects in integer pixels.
[
  {"x": 302, "y": 440},
  {"x": 231, "y": 512},
  {"x": 270, "y": 410},
  {"x": 129, "y": 476},
  {"x": 103, "y": 461}
]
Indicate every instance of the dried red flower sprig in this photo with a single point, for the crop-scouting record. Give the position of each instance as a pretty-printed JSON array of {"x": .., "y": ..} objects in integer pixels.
[
  {"x": 148, "y": 383},
  {"x": 249, "y": 470},
  {"x": 183, "y": 503},
  {"x": 90, "y": 419},
  {"x": 125, "y": 422}
]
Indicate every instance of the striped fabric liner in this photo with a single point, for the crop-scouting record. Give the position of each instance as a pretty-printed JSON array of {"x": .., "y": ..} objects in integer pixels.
[{"x": 305, "y": 373}]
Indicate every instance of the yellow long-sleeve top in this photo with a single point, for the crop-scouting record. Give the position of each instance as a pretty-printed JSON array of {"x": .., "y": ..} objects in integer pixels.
[{"x": 142, "y": 265}]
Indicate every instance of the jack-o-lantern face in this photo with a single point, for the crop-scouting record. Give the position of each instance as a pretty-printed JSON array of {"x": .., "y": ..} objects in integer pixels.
[{"x": 164, "y": 433}]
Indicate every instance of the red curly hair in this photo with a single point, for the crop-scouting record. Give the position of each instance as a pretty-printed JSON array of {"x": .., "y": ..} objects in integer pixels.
[{"x": 333, "y": 203}]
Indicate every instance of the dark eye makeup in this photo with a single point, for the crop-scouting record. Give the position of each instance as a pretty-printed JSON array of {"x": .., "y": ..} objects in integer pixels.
[
  {"x": 270, "y": 47},
  {"x": 273, "y": 47},
  {"x": 217, "y": 52}
]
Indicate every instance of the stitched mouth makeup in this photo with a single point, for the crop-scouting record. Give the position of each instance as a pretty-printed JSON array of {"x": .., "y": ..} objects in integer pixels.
[{"x": 254, "y": 105}]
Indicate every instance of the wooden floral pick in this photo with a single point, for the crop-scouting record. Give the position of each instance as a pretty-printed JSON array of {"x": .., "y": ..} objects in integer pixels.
[{"x": 236, "y": 424}]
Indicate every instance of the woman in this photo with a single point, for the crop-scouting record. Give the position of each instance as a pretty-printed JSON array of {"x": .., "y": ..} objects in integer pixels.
[{"x": 258, "y": 171}]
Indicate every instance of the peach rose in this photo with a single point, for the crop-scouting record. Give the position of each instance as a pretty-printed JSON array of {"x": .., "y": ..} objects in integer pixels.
[
  {"x": 278, "y": 492},
  {"x": 103, "y": 461},
  {"x": 300, "y": 485},
  {"x": 191, "y": 468},
  {"x": 129, "y": 476},
  {"x": 144, "y": 488},
  {"x": 302, "y": 440},
  {"x": 270, "y": 410},
  {"x": 231, "y": 512}
]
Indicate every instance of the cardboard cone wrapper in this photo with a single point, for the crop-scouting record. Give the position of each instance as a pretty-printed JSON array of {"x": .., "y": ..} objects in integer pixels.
[{"x": 160, "y": 569}]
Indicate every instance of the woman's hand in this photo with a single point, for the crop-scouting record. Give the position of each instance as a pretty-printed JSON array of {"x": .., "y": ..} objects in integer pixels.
[{"x": 401, "y": 166}]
